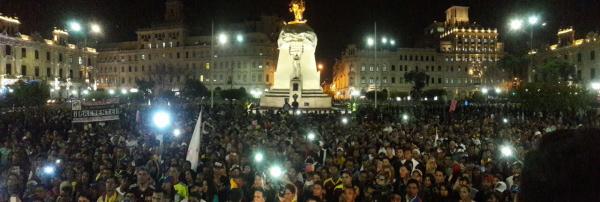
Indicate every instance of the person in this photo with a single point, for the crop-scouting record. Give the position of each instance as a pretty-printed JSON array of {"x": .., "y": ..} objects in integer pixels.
[
  {"x": 142, "y": 190},
  {"x": 110, "y": 194},
  {"x": 443, "y": 194},
  {"x": 259, "y": 196},
  {"x": 349, "y": 195},
  {"x": 289, "y": 193},
  {"x": 408, "y": 159},
  {"x": 317, "y": 192},
  {"x": 332, "y": 183},
  {"x": 412, "y": 191},
  {"x": 577, "y": 153},
  {"x": 464, "y": 194},
  {"x": 464, "y": 181},
  {"x": 180, "y": 188}
]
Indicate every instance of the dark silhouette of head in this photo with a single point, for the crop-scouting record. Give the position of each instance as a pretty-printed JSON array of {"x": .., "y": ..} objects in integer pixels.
[{"x": 563, "y": 168}]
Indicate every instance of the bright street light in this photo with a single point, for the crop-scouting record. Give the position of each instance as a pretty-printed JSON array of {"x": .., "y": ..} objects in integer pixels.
[
  {"x": 384, "y": 40},
  {"x": 484, "y": 90},
  {"x": 345, "y": 120},
  {"x": 222, "y": 38},
  {"x": 504, "y": 120},
  {"x": 239, "y": 38},
  {"x": 393, "y": 42},
  {"x": 123, "y": 91},
  {"x": 516, "y": 24},
  {"x": 595, "y": 85},
  {"x": 370, "y": 41},
  {"x": 311, "y": 136},
  {"x": 275, "y": 171},
  {"x": 75, "y": 26},
  {"x": 320, "y": 66},
  {"x": 111, "y": 91},
  {"x": 533, "y": 20},
  {"x": 95, "y": 28},
  {"x": 85, "y": 92},
  {"x": 258, "y": 157},
  {"x": 498, "y": 90},
  {"x": 176, "y": 132},
  {"x": 161, "y": 119},
  {"x": 74, "y": 92},
  {"x": 506, "y": 151}
]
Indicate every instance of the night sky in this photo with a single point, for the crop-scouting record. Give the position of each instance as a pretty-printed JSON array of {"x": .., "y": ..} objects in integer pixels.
[{"x": 336, "y": 22}]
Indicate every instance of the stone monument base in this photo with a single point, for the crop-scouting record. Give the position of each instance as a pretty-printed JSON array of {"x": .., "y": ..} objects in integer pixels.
[{"x": 307, "y": 99}]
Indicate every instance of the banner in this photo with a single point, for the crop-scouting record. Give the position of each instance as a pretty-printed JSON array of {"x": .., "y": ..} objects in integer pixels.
[{"x": 106, "y": 110}]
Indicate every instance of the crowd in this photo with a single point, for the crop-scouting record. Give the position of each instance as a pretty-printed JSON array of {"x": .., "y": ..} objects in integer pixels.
[{"x": 474, "y": 154}]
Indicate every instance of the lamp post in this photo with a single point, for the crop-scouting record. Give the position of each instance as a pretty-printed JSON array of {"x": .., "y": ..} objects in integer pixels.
[
  {"x": 531, "y": 22},
  {"x": 372, "y": 42},
  {"x": 94, "y": 29}
]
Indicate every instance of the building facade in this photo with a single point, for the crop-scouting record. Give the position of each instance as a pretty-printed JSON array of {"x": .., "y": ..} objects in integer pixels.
[
  {"x": 168, "y": 54},
  {"x": 464, "y": 60},
  {"x": 67, "y": 68},
  {"x": 581, "y": 53}
]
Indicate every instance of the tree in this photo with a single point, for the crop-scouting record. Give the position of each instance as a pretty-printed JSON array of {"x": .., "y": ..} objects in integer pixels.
[
  {"x": 555, "y": 70},
  {"x": 145, "y": 87},
  {"x": 237, "y": 94},
  {"x": 32, "y": 93},
  {"x": 381, "y": 95},
  {"x": 418, "y": 79},
  {"x": 516, "y": 66},
  {"x": 440, "y": 93},
  {"x": 194, "y": 88},
  {"x": 553, "y": 97},
  {"x": 99, "y": 94}
]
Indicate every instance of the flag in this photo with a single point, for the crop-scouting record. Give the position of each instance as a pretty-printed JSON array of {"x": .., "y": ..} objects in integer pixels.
[
  {"x": 453, "y": 106},
  {"x": 193, "y": 152}
]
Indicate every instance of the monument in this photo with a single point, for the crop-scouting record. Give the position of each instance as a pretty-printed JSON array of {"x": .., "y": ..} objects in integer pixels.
[{"x": 297, "y": 80}]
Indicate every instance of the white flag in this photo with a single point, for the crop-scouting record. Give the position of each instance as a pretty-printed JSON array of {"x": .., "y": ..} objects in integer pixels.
[{"x": 193, "y": 152}]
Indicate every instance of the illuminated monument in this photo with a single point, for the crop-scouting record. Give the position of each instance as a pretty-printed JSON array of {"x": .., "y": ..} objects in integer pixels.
[{"x": 296, "y": 78}]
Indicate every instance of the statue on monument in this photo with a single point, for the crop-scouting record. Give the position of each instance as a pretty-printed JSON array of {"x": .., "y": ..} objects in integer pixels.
[{"x": 297, "y": 7}]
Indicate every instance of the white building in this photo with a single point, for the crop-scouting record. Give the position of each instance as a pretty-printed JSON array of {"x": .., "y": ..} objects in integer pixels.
[
  {"x": 66, "y": 67},
  {"x": 168, "y": 54}
]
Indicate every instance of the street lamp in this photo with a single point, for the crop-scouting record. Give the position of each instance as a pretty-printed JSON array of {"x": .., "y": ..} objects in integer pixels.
[
  {"x": 498, "y": 90},
  {"x": 484, "y": 90},
  {"x": 223, "y": 38},
  {"x": 239, "y": 38},
  {"x": 533, "y": 20},
  {"x": 370, "y": 41},
  {"x": 516, "y": 24},
  {"x": 95, "y": 28},
  {"x": 595, "y": 85},
  {"x": 75, "y": 26},
  {"x": 111, "y": 91}
]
